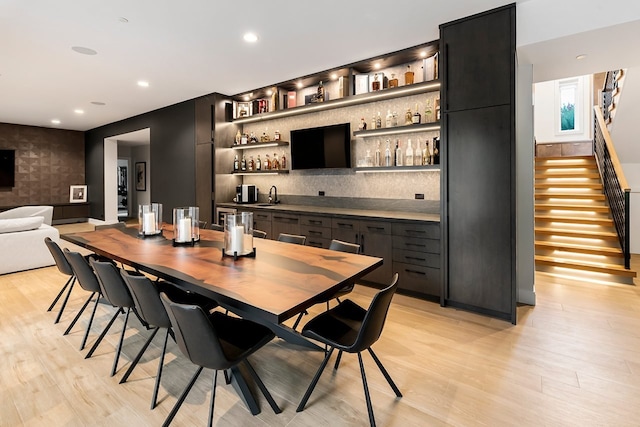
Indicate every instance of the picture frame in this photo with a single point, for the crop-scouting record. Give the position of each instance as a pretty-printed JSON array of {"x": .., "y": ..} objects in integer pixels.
[
  {"x": 141, "y": 176},
  {"x": 78, "y": 194}
]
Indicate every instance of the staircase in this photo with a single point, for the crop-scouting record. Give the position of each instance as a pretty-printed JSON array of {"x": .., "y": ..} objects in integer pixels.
[{"x": 574, "y": 233}]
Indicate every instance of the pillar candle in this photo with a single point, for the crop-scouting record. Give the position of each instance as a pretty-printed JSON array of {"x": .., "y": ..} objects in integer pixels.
[
  {"x": 183, "y": 230},
  {"x": 237, "y": 236},
  {"x": 149, "y": 223}
]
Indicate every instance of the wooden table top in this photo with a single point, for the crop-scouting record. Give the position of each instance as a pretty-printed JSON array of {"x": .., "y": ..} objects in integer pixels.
[{"x": 281, "y": 281}]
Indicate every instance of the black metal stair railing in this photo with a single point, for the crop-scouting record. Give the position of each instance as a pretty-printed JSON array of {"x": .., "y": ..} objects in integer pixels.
[{"x": 615, "y": 186}]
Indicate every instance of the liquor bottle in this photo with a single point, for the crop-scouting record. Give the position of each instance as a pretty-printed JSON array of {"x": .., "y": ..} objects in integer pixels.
[
  {"x": 417, "y": 155},
  {"x": 267, "y": 163},
  {"x": 393, "y": 82},
  {"x": 408, "y": 117},
  {"x": 428, "y": 112},
  {"x": 375, "y": 84},
  {"x": 378, "y": 160},
  {"x": 426, "y": 159},
  {"x": 251, "y": 164},
  {"x": 238, "y": 138},
  {"x": 276, "y": 136},
  {"x": 252, "y": 138},
  {"x": 273, "y": 106},
  {"x": 283, "y": 162},
  {"x": 378, "y": 121},
  {"x": 394, "y": 119},
  {"x": 436, "y": 150},
  {"x": 387, "y": 154},
  {"x": 408, "y": 76},
  {"x": 437, "y": 108},
  {"x": 416, "y": 117},
  {"x": 244, "y": 139},
  {"x": 236, "y": 164},
  {"x": 389, "y": 119},
  {"x": 258, "y": 163},
  {"x": 408, "y": 156},
  {"x": 372, "y": 125},
  {"x": 320, "y": 92},
  {"x": 367, "y": 159},
  {"x": 398, "y": 153},
  {"x": 275, "y": 164},
  {"x": 362, "y": 125},
  {"x": 243, "y": 164}
]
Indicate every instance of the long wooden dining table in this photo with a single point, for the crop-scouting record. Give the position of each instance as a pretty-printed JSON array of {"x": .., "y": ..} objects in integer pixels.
[{"x": 281, "y": 281}]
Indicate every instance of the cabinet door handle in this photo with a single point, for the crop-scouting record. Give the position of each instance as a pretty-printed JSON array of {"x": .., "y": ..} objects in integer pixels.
[
  {"x": 313, "y": 221},
  {"x": 317, "y": 233},
  {"x": 362, "y": 244},
  {"x": 415, "y": 272},
  {"x": 375, "y": 228},
  {"x": 416, "y": 245},
  {"x": 414, "y": 258},
  {"x": 344, "y": 225},
  {"x": 314, "y": 244}
]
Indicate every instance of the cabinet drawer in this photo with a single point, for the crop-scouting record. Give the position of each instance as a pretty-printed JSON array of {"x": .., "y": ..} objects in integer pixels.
[
  {"x": 318, "y": 242},
  {"x": 345, "y": 224},
  {"x": 285, "y": 218},
  {"x": 315, "y": 221},
  {"x": 416, "y": 244},
  {"x": 416, "y": 258},
  {"x": 430, "y": 230},
  {"x": 375, "y": 227},
  {"x": 311, "y": 231},
  {"x": 576, "y": 149},
  {"x": 548, "y": 150},
  {"x": 414, "y": 278},
  {"x": 261, "y": 216}
]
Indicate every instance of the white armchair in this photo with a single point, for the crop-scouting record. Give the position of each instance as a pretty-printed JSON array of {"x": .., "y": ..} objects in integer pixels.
[{"x": 24, "y": 211}]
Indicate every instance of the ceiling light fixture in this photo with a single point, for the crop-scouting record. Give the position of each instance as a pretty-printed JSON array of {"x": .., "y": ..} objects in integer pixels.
[
  {"x": 250, "y": 38},
  {"x": 299, "y": 85},
  {"x": 334, "y": 76},
  {"x": 123, "y": 20},
  {"x": 78, "y": 111},
  {"x": 581, "y": 56},
  {"x": 269, "y": 92},
  {"x": 423, "y": 54},
  {"x": 83, "y": 50},
  {"x": 98, "y": 103},
  {"x": 55, "y": 121},
  {"x": 376, "y": 65},
  {"x": 143, "y": 83}
]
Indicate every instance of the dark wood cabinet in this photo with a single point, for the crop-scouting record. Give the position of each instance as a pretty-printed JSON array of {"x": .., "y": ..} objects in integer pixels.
[
  {"x": 69, "y": 213},
  {"x": 317, "y": 229},
  {"x": 478, "y": 163},
  {"x": 284, "y": 223},
  {"x": 262, "y": 222},
  {"x": 375, "y": 240}
]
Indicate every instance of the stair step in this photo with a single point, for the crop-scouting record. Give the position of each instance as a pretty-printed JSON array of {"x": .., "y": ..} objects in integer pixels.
[
  {"x": 605, "y": 235},
  {"x": 567, "y": 207},
  {"x": 585, "y": 266},
  {"x": 543, "y": 166},
  {"x": 577, "y": 220},
  {"x": 558, "y": 195},
  {"x": 578, "y": 174},
  {"x": 593, "y": 185},
  {"x": 566, "y": 160},
  {"x": 583, "y": 249}
]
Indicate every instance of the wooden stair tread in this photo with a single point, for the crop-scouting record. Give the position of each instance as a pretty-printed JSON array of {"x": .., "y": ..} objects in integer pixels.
[
  {"x": 589, "y": 166},
  {"x": 594, "y": 185},
  {"x": 575, "y": 247},
  {"x": 585, "y": 265},
  {"x": 567, "y": 175},
  {"x": 588, "y": 196},
  {"x": 567, "y": 207},
  {"x": 577, "y": 233},
  {"x": 573, "y": 219}
]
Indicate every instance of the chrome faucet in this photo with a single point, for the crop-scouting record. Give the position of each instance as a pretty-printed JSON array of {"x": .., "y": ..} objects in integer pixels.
[{"x": 273, "y": 195}]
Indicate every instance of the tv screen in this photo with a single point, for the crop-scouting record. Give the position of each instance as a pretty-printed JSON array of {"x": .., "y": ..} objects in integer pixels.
[
  {"x": 7, "y": 168},
  {"x": 321, "y": 147}
]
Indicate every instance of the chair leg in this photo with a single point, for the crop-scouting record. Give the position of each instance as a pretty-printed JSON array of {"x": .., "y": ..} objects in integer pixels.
[
  {"x": 93, "y": 314},
  {"x": 262, "y": 388},
  {"x": 75, "y": 319},
  {"x": 66, "y": 298},
  {"x": 102, "y": 334},
  {"x": 213, "y": 397},
  {"x": 183, "y": 396},
  {"x": 372, "y": 420},
  {"x": 306, "y": 396},
  {"x": 335, "y": 367},
  {"x": 156, "y": 387},
  {"x": 227, "y": 377},
  {"x": 119, "y": 348},
  {"x": 139, "y": 356},
  {"x": 385, "y": 373},
  {"x": 55, "y": 300}
]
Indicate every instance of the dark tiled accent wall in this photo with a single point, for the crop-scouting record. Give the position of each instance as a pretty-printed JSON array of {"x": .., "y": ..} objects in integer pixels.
[{"x": 48, "y": 161}]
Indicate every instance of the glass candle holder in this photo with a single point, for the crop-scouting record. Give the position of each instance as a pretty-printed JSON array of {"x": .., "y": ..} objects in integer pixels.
[
  {"x": 150, "y": 219},
  {"x": 186, "y": 228},
  {"x": 238, "y": 234}
]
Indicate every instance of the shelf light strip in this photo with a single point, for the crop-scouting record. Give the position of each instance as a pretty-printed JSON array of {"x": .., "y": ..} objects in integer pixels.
[
  {"x": 400, "y": 130},
  {"x": 352, "y": 100},
  {"x": 258, "y": 145},
  {"x": 397, "y": 170}
]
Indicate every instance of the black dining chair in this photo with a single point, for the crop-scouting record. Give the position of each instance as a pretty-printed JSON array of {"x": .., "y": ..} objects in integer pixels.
[
  {"x": 202, "y": 224},
  {"x": 217, "y": 342},
  {"x": 292, "y": 238},
  {"x": 65, "y": 268},
  {"x": 260, "y": 234},
  {"x": 352, "y": 329},
  {"x": 89, "y": 282},
  {"x": 116, "y": 292},
  {"x": 216, "y": 227}
]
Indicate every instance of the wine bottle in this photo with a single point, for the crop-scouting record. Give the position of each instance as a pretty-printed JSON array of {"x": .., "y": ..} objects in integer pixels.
[
  {"x": 283, "y": 162},
  {"x": 275, "y": 164},
  {"x": 408, "y": 157},
  {"x": 417, "y": 155},
  {"x": 398, "y": 153},
  {"x": 425, "y": 154},
  {"x": 378, "y": 160},
  {"x": 236, "y": 164},
  {"x": 267, "y": 163},
  {"x": 258, "y": 163},
  {"x": 387, "y": 154},
  {"x": 436, "y": 150},
  {"x": 243, "y": 164},
  {"x": 251, "y": 164},
  {"x": 416, "y": 117}
]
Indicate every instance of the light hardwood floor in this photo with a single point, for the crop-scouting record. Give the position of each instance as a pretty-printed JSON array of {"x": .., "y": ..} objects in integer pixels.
[{"x": 572, "y": 360}]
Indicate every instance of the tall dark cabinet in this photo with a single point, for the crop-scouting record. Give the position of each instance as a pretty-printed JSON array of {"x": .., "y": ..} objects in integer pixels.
[{"x": 478, "y": 163}]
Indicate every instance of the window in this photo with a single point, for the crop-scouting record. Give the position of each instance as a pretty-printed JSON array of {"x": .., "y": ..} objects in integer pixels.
[{"x": 569, "y": 106}]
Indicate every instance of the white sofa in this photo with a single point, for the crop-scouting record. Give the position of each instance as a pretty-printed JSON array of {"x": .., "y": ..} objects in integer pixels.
[
  {"x": 24, "y": 211},
  {"x": 22, "y": 244}
]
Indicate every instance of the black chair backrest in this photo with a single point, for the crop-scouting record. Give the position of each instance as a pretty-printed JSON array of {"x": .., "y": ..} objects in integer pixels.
[
  {"x": 260, "y": 234},
  {"x": 217, "y": 227},
  {"x": 373, "y": 322},
  {"x": 195, "y": 335},
  {"x": 339, "y": 245},
  {"x": 146, "y": 298},
  {"x": 83, "y": 271},
  {"x": 61, "y": 262},
  {"x": 113, "y": 287},
  {"x": 292, "y": 238}
]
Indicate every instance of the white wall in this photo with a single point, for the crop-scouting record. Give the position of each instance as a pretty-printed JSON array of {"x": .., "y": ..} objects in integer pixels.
[
  {"x": 140, "y": 153},
  {"x": 110, "y": 181},
  {"x": 546, "y": 111}
]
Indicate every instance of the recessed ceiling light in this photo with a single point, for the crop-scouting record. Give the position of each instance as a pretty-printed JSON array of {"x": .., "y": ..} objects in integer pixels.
[
  {"x": 269, "y": 92},
  {"x": 376, "y": 65},
  {"x": 98, "y": 103},
  {"x": 299, "y": 85},
  {"x": 123, "y": 20},
  {"x": 83, "y": 50},
  {"x": 246, "y": 97},
  {"x": 334, "y": 76},
  {"x": 250, "y": 37},
  {"x": 143, "y": 83},
  {"x": 581, "y": 56},
  {"x": 78, "y": 111},
  {"x": 55, "y": 121},
  {"x": 423, "y": 54}
]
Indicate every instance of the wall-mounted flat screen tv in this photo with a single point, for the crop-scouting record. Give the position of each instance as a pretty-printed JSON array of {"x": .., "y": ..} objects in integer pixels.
[
  {"x": 321, "y": 147},
  {"x": 7, "y": 168}
]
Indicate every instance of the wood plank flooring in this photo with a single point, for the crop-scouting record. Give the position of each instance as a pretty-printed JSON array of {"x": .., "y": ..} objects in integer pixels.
[{"x": 572, "y": 360}]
